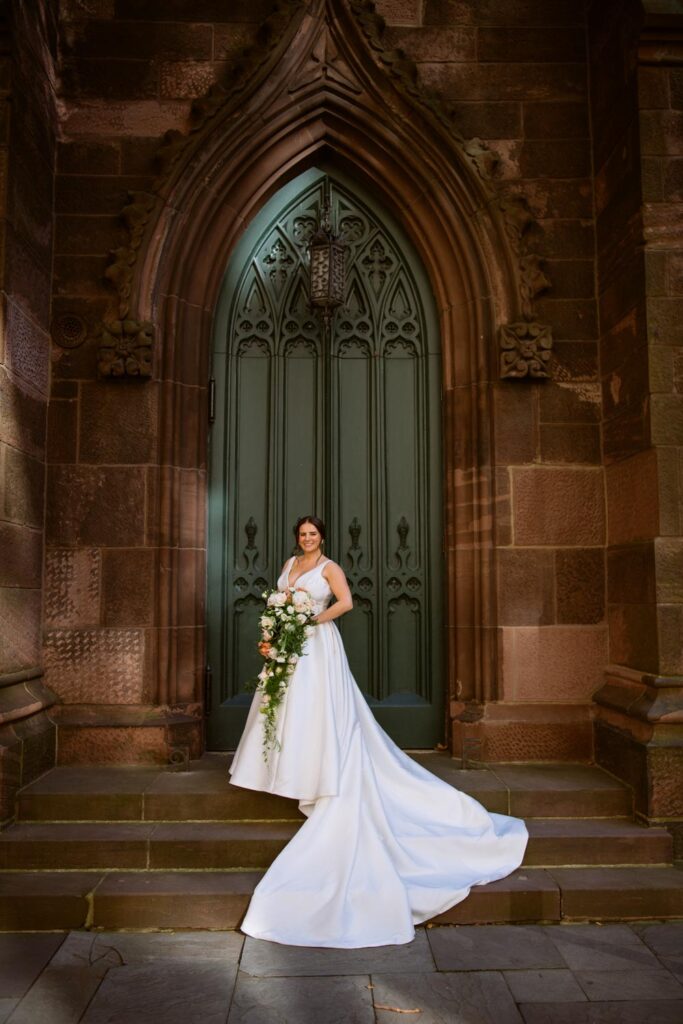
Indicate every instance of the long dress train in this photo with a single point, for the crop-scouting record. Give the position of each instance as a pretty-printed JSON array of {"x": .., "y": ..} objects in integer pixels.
[{"x": 385, "y": 844}]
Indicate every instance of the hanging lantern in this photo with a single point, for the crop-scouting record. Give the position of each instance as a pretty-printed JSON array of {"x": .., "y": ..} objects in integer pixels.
[{"x": 327, "y": 255}]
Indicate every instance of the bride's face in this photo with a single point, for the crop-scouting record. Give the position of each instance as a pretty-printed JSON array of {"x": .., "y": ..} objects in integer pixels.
[{"x": 309, "y": 538}]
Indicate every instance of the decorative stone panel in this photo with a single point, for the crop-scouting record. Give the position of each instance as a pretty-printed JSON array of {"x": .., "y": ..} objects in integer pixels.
[
  {"x": 525, "y": 350},
  {"x": 96, "y": 666},
  {"x": 125, "y": 349},
  {"x": 72, "y": 594}
]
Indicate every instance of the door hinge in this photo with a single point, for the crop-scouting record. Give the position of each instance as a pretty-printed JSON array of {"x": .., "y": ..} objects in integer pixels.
[
  {"x": 212, "y": 399},
  {"x": 208, "y": 689}
]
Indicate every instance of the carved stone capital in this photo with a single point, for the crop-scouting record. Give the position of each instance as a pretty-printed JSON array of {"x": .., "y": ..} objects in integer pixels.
[
  {"x": 525, "y": 349},
  {"x": 125, "y": 349}
]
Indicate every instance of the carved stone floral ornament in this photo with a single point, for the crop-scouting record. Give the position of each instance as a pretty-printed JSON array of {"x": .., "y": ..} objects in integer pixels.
[
  {"x": 344, "y": 39},
  {"x": 125, "y": 349},
  {"x": 524, "y": 350}
]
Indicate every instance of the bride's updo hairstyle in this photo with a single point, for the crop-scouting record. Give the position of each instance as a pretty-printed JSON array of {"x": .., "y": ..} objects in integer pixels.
[{"x": 318, "y": 523}]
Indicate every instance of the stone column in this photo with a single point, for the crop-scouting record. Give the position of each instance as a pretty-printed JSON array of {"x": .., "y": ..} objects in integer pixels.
[
  {"x": 27, "y": 148},
  {"x": 637, "y": 93}
]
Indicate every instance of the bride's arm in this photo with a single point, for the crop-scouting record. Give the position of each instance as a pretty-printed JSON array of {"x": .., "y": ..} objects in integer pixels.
[{"x": 340, "y": 588}]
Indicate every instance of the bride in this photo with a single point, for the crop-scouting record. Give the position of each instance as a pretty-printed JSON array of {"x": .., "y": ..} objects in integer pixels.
[{"x": 385, "y": 844}]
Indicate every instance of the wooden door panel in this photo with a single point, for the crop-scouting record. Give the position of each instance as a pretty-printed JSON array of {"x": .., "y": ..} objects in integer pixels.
[{"x": 347, "y": 429}]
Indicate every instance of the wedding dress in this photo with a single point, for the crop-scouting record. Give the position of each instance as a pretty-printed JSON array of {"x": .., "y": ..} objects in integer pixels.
[{"x": 385, "y": 844}]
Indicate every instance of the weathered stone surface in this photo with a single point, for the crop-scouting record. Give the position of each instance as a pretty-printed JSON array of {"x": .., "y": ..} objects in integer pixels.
[
  {"x": 262, "y": 959},
  {"x": 96, "y": 505},
  {"x": 143, "y": 991},
  {"x": 631, "y": 486},
  {"x": 127, "y": 586},
  {"x": 669, "y": 569},
  {"x": 23, "y": 490},
  {"x": 553, "y": 663},
  {"x": 544, "y": 986},
  {"x": 504, "y": 81},
  {"x": 72, "y": 596},
  {"x": 68, "y": 983},
  {"x": 570, "y": 403},
  {"x": 188, "y": 79},
  {"x": 499, "y": 946},
  {"x": 308, "y": 1000},
  {"x": 109, "y": 79},
  {"x": 20, "y": 628},
  {"x": 563, "y": 443},
  {"x": 515, "y": 422},
  {"x": 62, "y": 428},
  {"x": 489, "y": 12},
  {"x": 610, "y": 1012},
  {"x": 631, "y": 574},
  {"x": 96, "y": 666},
  {"x": 78, "y": 235},
  {"x": 21, "y": 564},
  {"x": 400, "y": 12},
  {"x": 632, "y": 984},
  {"x": 633, "y": 636},
  {"x": 525, "y": 587},
  {"x": 118, "y": 422},
  {"x": 555, "y": 120},
  {"x": 435, "y": 44},
  {"x": 558, "y": 506},
  {"x": 45, "y": 901},
  {"x": 22, "y": 958},
  {"x": 555, "y": 158},
  {"x": 27, "y": 349},
  {"x": 580, "y": 581},
  {"x": 167, "y": 40},
  {"x": 95, "y": 194},
  {"x": 88, "y": 156},
  {"x": 670, "y": 630},
  {"x": 666, "y": 419},
  {"x": 615, "y": 947},
  {"x": 22, "y": 417},
  {"x": 483, "y": 996}
]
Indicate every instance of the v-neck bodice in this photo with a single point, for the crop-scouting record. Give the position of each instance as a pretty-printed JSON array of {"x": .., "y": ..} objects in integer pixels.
[{"x": 315, "y": 583}]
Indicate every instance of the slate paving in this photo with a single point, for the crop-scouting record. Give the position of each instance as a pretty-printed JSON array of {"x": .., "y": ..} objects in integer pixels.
[{"x": 461, "y": 974}]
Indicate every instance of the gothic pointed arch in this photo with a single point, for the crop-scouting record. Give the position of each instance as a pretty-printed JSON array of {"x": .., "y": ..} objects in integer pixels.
[{"x": 326, "y": 90}]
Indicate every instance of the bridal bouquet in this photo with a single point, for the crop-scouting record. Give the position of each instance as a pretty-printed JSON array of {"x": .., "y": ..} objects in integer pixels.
[{"x": 285, "y": 625}]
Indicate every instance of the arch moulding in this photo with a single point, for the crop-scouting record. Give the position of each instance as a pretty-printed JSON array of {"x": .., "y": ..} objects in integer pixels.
[{"x": 327, "y": 91}]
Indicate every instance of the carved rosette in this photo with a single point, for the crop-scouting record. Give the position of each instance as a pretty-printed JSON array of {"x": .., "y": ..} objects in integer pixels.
[
  {"x": 525, "y": 350},
  {"x": 125, "y": 349}
]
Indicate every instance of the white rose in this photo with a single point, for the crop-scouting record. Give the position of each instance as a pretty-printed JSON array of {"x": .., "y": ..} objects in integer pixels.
[
  {"x": 277, "y": 599},
  {"x": 293, "y": 658},
  {"x": 301, "y": 618}
]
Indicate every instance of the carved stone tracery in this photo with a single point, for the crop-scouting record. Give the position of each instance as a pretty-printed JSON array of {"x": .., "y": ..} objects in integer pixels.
[{"x": 325, "y": 68}]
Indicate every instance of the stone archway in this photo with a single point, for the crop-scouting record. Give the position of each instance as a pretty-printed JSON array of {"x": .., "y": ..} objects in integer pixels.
[{"x": 320, "y": 95}]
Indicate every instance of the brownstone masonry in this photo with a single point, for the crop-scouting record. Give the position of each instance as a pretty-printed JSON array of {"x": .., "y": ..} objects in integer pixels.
[{"x": 531, "y": 152}]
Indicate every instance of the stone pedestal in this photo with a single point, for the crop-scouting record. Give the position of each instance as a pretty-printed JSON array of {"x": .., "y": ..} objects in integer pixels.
[{"x": 639, "y": 738}]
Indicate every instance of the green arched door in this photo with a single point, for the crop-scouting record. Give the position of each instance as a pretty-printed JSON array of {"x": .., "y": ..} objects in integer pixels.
[{"x": 349, "y": 430}]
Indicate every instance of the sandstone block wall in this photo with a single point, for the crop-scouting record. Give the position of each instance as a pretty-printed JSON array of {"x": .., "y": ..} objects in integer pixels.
[
  {"x": 28, "y": 124},
  {"x": 588, "y": 470}
]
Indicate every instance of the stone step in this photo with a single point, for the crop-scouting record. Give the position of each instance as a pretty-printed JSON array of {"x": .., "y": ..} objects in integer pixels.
[
  {"x": 204, "y": 793},
  {"x": 214, "y": 846},
  {"x": 45, "y": 901}
]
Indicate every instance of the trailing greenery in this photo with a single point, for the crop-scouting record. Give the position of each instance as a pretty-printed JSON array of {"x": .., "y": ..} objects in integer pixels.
[{"x": 286, "y": 624}]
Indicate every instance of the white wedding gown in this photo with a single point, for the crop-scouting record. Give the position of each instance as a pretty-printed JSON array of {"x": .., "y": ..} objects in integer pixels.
[{"x": 386, "y": 844}]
